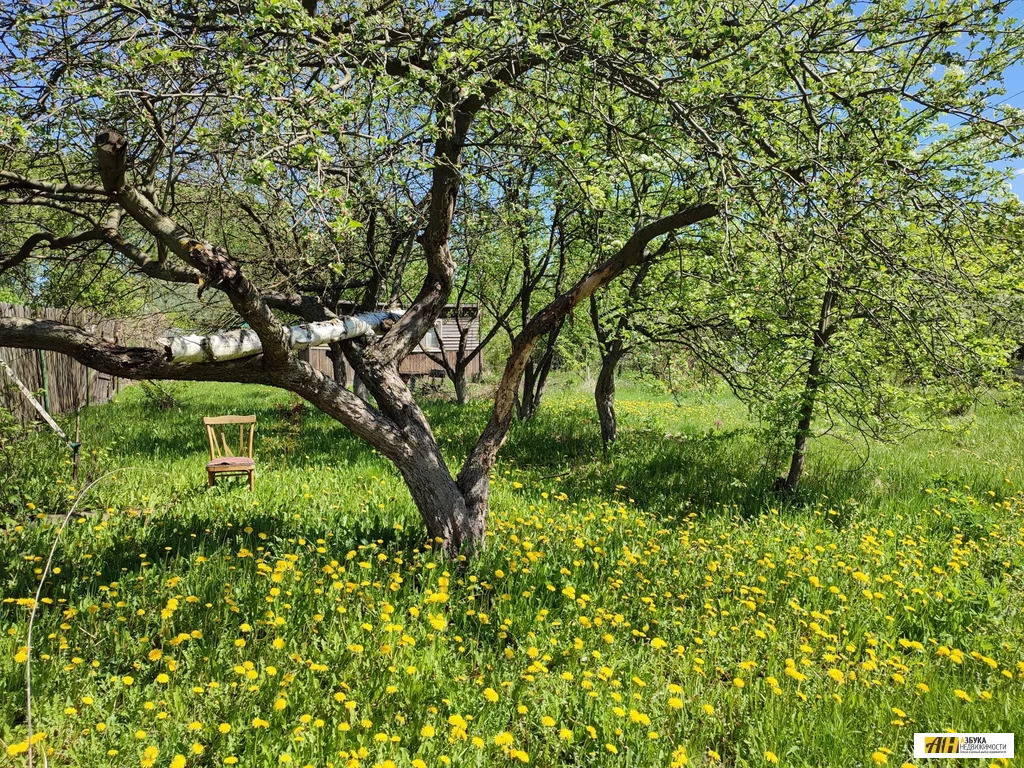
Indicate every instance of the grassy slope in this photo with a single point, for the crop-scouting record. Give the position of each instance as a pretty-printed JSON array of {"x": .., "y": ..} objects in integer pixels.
[{"x": 656, "y": 603}]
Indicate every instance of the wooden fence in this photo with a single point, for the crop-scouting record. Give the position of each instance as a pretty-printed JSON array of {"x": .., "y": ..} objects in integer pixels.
[{"x": 63, "y": 384}]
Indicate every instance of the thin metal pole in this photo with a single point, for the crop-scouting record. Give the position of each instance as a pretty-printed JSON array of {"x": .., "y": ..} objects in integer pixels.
[{"x": 46, "y": 379}]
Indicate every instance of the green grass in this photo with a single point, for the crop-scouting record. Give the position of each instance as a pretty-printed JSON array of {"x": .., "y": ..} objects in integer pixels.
[{"x": 613, "y": 615}]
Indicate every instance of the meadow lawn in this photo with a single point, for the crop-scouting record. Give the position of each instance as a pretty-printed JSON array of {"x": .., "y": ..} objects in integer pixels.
[{"x": 659, "y": 607}]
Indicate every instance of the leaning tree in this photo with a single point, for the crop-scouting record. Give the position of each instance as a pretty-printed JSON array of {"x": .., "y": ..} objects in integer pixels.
[{"x": 342, "y": 112}]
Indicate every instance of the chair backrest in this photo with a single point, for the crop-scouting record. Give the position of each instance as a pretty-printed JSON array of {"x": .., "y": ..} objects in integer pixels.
[{"x": 216, "y": 432}]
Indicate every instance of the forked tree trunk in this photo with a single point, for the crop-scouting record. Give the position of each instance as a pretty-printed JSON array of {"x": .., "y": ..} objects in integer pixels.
[
  {"x": 604, "y": 396},
  {"x": 535, "y": 377},
  {"x": 449, "y": 520}
]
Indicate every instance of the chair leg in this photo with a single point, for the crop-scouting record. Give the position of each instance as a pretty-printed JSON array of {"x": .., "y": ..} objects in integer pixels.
[
  {"x": 252, "y": 479},
  {"x": 211, "y": 479}
]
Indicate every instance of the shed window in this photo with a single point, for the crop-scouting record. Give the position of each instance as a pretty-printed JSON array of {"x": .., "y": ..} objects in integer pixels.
[{"x": 430, "y": 342}]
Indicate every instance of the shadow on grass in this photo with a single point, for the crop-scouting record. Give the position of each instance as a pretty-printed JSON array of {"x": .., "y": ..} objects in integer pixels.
[{"x": 673, "y": 473}]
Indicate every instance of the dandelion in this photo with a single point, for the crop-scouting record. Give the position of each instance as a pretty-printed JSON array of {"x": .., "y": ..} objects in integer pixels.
[
  {"x": 178, "y": 761},
  {"x": 771, "y": 757},
  {"x": 427, "y": 731},
  {"x": 224, "y": 727},
  {"x": 879, "y": 758},
  {"x": 491, "y": 695},
  {"x": 639, "y": 717}
]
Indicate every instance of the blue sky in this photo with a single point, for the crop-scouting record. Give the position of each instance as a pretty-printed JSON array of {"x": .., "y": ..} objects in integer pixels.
[{"x": 1015, "y": 92}]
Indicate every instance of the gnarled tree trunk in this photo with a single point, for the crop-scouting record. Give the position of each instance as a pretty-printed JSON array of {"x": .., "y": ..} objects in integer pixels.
[{"x": 604, "y": 394}]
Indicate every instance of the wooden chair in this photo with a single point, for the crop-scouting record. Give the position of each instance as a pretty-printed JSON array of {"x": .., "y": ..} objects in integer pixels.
[{"x": 222, "y": 460}]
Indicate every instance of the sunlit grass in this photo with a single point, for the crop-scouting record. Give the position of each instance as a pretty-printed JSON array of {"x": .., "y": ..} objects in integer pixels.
[{"x": 655, "y": 608}]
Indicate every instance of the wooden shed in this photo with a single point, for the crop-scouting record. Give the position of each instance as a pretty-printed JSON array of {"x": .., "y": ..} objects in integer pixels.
[{"x": 444, "y": 337}]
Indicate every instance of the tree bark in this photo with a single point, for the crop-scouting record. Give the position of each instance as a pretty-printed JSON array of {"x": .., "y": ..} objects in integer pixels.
[
  {"x": 359, "y": 387},
  {"x": 812, "y": 385},
  {"x": 337, "y": 358},
  {"x": 418, "y": 457},
  {"x": 461, "y": 385},
  {"x": 604, "y": 396},
  {"x": 535, "y": 378}
]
